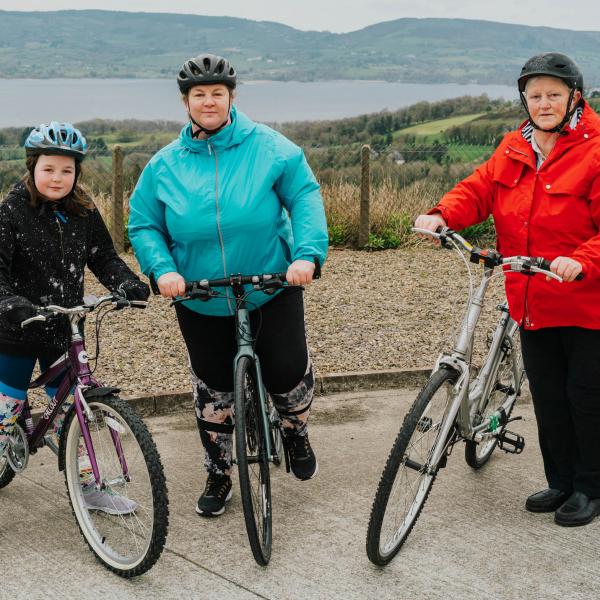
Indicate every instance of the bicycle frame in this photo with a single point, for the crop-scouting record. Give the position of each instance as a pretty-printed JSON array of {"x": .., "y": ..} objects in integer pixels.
[
  {"x": 467, "y": 397},
  {"x": 77, "y": 377},
  {"x": 245, "y": 348}
]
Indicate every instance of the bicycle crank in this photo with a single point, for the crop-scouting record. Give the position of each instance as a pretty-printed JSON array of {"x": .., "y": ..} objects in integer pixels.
[{"x": 17, "y": 451}]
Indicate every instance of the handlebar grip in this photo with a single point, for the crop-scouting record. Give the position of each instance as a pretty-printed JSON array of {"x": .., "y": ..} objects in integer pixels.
[{"x": 545, "y": 264}]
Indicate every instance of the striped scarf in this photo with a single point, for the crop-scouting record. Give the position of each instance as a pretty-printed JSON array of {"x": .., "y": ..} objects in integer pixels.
[{"x": 528, "y": 129}]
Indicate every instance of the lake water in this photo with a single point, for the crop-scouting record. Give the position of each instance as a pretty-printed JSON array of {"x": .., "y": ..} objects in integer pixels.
[{"x": 31, "y": 101}]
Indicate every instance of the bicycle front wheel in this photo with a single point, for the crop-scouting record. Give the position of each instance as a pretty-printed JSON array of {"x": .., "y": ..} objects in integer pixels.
[
  {"x": 253, "y": 461},
  {"x": 408, "y": 474},
  {"x": 6, "y": 473},
  {"x": 124, "y": 516}
]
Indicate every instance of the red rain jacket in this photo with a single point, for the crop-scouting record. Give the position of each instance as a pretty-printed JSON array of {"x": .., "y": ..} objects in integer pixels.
[{"x": 551, "y": 212}]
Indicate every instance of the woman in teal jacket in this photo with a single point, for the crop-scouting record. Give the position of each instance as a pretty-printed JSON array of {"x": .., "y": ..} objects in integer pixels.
[{"x": 233, "y": 196}]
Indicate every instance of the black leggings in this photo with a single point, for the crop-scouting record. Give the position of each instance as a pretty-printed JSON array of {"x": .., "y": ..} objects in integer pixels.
[
  {"x": 563, "y": 368},
  {"x": 280, "y": 342}
]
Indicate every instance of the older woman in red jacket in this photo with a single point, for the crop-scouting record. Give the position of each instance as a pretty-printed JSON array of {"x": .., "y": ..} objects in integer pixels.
[{"x": 542, "y": 186}]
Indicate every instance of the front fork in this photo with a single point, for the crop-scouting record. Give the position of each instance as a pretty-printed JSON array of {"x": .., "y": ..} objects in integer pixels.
[
  {"x": 85, "y": 416},
  {"x": 457, "y": 405}
]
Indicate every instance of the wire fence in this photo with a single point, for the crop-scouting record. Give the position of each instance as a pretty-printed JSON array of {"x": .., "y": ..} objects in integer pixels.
[{"x": 371, "y": 194}]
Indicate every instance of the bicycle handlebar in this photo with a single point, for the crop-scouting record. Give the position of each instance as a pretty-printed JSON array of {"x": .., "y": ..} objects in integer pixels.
[
  {"x": 255, "y": 280},
  {"x": 527, "y": 265},
  {"x": 90, "y": 303},
  {"x": 237, "y": 279}
]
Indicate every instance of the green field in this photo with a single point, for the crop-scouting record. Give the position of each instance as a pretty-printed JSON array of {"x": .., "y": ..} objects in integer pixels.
[{"x": 434, "y": 128}]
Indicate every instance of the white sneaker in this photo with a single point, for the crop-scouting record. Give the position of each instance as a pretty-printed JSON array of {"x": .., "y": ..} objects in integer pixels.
[{"x": 108, "y": 501}]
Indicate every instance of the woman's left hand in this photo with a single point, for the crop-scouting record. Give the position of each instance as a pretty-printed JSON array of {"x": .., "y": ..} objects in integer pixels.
[
  {"x": 564, "y": 267},
  {"x": 300, "y": 272}
]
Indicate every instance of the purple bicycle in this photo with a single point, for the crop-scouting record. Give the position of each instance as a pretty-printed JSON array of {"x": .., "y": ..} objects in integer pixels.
[{"x": 113, "y": 473}]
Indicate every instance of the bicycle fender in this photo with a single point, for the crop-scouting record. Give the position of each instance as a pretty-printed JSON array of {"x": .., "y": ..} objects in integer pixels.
[{"x": 100, "y": 392}]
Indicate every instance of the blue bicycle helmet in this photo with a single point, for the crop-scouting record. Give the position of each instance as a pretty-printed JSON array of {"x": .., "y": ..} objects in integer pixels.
[{"x": 56, "y": 138}]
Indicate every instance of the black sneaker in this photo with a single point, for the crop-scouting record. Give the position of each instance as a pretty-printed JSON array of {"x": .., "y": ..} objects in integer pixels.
[
  {"x": 216, "y": 493},
  {"x": 300, "y": 456}
]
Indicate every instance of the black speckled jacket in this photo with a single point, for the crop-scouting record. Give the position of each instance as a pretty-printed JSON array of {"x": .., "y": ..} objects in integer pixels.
[{"x": 43, "y": 253}]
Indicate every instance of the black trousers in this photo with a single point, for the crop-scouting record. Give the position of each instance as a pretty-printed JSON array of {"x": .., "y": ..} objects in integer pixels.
[
  {"x": 563, "y": 368},
  {"x": 280, "y": 342}
]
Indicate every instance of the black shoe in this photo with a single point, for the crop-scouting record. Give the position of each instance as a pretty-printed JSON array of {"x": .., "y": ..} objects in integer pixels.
[
  {"x": 302, "y": 459},
  {"x": 216, "y": 493},
  {"x": 546, "y": 500},
  {"x": 579, "y": 509}
]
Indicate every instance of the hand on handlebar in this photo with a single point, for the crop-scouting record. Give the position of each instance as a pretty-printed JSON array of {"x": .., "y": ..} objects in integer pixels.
[
  {"x": 17, "y": 309},
  {"x": 171, "y": 285},
  {"x": 566, "y": 268},
  {"x": 431, "y": 223},
  {"x": 300, "y": 272},
  {"x": 134, "y": 289}
]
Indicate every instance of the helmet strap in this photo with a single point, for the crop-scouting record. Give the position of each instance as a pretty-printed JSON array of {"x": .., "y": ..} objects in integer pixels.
[
  {"x": 558, "y": 128},
  {"x": 201, "y": 129}
]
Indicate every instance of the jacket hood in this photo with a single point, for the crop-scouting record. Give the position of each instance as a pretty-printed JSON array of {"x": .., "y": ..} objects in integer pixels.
[
  {"x": 240, "y": 128},
  {"x": 19, "y": 189}
]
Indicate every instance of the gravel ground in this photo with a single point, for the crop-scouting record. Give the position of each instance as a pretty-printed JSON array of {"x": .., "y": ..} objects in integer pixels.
[{"x": 370, "y": 311}]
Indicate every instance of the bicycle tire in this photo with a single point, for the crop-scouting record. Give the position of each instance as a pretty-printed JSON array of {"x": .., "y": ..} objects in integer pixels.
[
  {"x": 253, "y": 462},
  {"x": 423, "y": 419},
  {"x": 478, "y": 454},
  {"x": 126, "y": 544},
  {"x": 6, "y": 473}
]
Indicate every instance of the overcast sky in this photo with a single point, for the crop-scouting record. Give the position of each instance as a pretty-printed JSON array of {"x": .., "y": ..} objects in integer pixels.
[{"x": 348, "y": 15}]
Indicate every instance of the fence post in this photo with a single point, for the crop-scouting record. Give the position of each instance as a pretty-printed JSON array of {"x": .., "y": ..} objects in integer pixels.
[
  {"x": 117, "y": 227},
  {"x": 365, "y": 196}
]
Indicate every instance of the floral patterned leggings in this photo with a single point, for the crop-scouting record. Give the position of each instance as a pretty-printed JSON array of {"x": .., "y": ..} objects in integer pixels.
[{"x": 285, "y": 364}]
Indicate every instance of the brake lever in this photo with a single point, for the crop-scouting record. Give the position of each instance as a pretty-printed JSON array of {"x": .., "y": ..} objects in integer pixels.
[
  {"x": 202, "y": 295},
  {"x": 31, "y": 320}
]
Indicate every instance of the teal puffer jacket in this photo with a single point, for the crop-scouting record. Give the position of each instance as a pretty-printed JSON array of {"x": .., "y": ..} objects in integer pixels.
[{"x": 243, "y": 201}]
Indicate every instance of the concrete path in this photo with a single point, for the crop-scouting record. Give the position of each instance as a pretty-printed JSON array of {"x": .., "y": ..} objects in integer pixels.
[{"x": 473, "y": 540}]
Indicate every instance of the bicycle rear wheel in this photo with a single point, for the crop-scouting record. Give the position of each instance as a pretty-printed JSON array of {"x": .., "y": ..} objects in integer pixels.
[
  {"x": 253, "y": 461},
  {"x": 125, "y": 520},
  {"x": 276, "y": 435},
  {"x": 408, "y": 475},
  {"x": 507, "y": 384}
]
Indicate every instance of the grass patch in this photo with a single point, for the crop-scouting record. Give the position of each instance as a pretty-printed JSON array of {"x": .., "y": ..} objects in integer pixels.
[{"x": 435, "y": 128}]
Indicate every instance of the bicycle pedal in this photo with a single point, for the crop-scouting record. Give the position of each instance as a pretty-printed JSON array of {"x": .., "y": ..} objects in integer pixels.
[
  {"x": 505, "y": 389},
  {"x": 511, "y": 442}
]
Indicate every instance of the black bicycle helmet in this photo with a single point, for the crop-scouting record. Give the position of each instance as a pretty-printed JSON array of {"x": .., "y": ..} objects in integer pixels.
[
  {"x": 205, "y": 69},
  {"x": 552, "y": 64}
]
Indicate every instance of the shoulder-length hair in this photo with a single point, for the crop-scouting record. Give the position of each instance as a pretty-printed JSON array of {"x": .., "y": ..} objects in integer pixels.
[{"x": 77, "y": 202}]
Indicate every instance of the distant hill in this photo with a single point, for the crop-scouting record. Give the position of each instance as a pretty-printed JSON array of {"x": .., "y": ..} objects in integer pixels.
[{"x": 93, "y": 43}]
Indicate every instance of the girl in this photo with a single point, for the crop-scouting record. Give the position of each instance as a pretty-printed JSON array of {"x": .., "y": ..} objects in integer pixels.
[{"x": 49, "y": 232}]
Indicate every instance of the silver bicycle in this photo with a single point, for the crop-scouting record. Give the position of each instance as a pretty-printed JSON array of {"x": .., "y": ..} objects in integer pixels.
[{"x": 454, "y": 405}]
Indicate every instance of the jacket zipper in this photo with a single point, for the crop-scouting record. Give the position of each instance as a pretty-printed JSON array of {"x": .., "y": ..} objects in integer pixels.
[
  {"x": 62, "y": 257},
  {"x": 527, "y": 320},
  {"x": 211, "y": 150}
]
